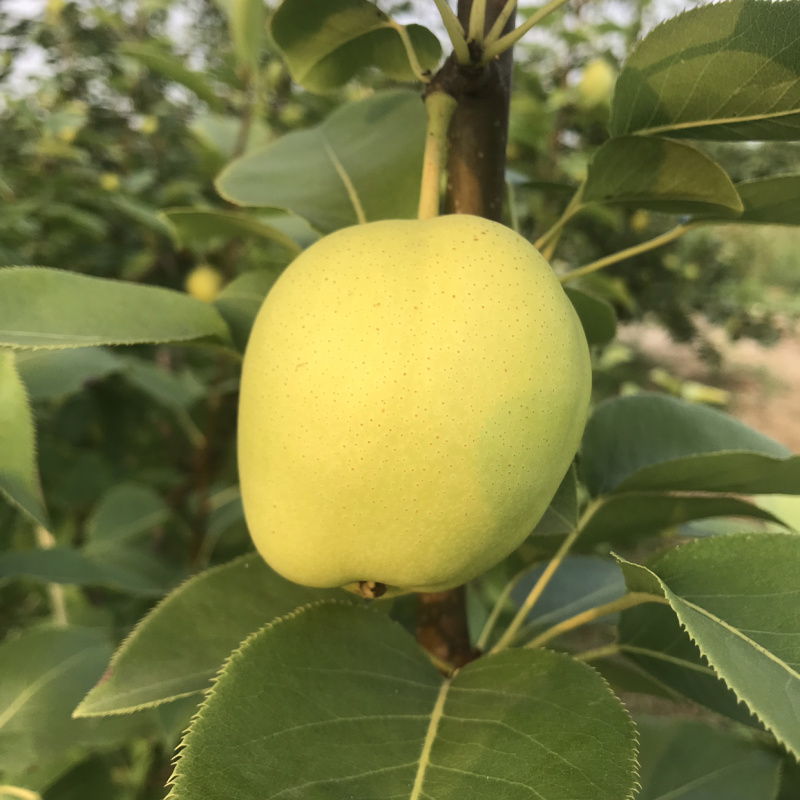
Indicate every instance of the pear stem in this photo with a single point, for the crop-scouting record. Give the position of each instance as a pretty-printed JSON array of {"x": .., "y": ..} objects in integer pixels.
[{"x": 439, "y": 106}]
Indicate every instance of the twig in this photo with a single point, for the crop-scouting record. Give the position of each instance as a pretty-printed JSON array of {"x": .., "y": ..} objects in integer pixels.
[
  {"x": 544, "y": 579},
  {"x": 643, "y": 247},
  {"x": 58, "y": 605},
  {"x": 628, "y": 601},
  {"x": 454, "y": 31},
  {"x": 411, "y": 54},
  {"x": 510, "y": 39},
  {"x": 439, "y": 107}
]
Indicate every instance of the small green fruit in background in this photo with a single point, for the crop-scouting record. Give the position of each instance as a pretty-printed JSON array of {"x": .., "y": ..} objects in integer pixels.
[
  {"x": 68, "y": 134},
  {"x": 109, "y": 181},
  {"x": 597, "y": 83},
  {"x": 148, "y": 125},
  {"x": 640, "y": 220},
  {"x": 413, "y": 392},
  {"x": 204, "y": 282}
]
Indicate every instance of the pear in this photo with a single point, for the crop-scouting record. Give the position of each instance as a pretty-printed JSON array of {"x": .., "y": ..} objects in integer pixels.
[
  {"x": 412, "y": 394},
  {"x": 597, "y": 82},
  {"x": 204, "y": 283}
]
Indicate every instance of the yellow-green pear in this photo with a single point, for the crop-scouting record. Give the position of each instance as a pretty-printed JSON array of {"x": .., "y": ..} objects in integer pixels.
[
  {"x": 412, "y": 394},
  {"x": 596, "y": 86},
  {"x": 204, "y": 283}
]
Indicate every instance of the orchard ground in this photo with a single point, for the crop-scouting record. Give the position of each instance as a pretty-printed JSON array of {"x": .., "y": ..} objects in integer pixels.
[{"x": 764, "y": 381}]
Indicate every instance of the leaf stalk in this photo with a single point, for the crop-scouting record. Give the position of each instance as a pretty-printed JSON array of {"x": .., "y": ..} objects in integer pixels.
[{"x": 439, "y": 107}]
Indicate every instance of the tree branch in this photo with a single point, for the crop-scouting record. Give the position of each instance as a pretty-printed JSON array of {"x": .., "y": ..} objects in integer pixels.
[{"x": 475, "y": 185}]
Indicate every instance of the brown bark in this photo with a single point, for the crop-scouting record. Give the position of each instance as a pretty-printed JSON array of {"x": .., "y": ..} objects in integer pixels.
[{"x": 475, "y": 185}]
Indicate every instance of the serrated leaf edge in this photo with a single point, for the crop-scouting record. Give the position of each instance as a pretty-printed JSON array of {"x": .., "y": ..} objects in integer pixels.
[
  {"x": 39, "y": 494},
  {"x": 236, "y": 653},
  {"x": 667, "y": 592},
  {"x": 623, "y": 485},
  {"x": 632, "y": 727},
  {"x": 223, "y": 339},
  {"x": 135, "y": 632}
]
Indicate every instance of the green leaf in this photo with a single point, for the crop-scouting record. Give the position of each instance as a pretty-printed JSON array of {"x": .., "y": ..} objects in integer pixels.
[
  {"x": 660, "y": 175},
  {"x": 771, "y": 201},
  {"x": 693, "y": 761},
  {"x": 55, "y": 374},
  {"x": 53, "y": 309},
  {"x": 56, "y": 565},
  {"x": 45, "y": 673},
  {"x": 785, "y": 506},
  {"x": 246, "y": 20},
  {"x": 197, "y": 226},
  {"x": 327, "y": 42},
  {"x": 146, "y": 215},
  {"x": 738, "y": 597},
  {"x": 91, "y": 778},
  {"x": 357, "y": 689},
  {"x": 125, "y": 512},
  {"x": 741, "y": 473},
  {"x": 727, "y": 71},
  {"x": 625, "y": 516},
  {"x": 367, "y": 153},
  {"x": 220, "y": 133},
  {"x": 655, "y": 442},
  {"x": 19, "y": 475},
  {"x": 240, "y": 300},
  {"x": 597, "y": 316},
  {"x": 650, "y": 636},
  {"x": 177, "y": 390},
  {"x": 135, "y": 569},
  {"x": 179, "y": 646},
  {"x": 158, "y": 60},
  {"x": 126, "y": 569},
  {"x": 790, "y": 780}
]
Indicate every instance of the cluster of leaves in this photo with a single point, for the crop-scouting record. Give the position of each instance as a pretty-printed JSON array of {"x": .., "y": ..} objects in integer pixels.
[
  {"x": 128, "y": 386},
  {"x": 556, "y": 126}
]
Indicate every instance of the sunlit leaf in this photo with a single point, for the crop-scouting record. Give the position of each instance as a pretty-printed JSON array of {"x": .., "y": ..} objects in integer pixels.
[
  {"x": 327, "y": 42},
  {"x": 52, "y": 309},
  {"x": 651, "y": 442},
  {"x": 367, "y": 153},
  {"x": 728, "y": 71}
]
